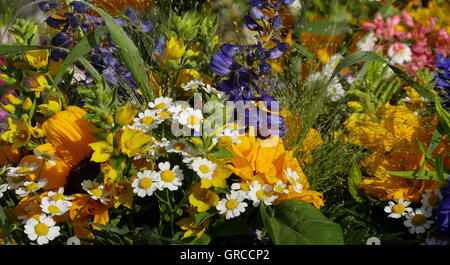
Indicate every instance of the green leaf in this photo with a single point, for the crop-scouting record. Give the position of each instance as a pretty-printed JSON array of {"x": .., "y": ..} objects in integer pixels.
[
  {"x": 5, "y": 224},
  {"x": 83, "y": 47},
  {"x": 129, "y": 52},
  {"x": 325, "y": 27},
  {"x": 354, "y": 178},
  {"x": 440, "y": 170},
  {"x": 12, "y": 49},
  {"x": 426, "y": 175},
  {"x": 444, "y": 117},
  {"x": 201, "y": 217},
  {"x": 203, "y": 240},
  {"x": 221, "y": 153},
  {"x": 112, "y": 228},
  {"x": 297, "y": 222},
  {"x": 361, "y": 56}
]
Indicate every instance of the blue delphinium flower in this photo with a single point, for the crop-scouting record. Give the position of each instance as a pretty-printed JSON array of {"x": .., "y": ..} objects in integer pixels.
[
  {"x": 244, "y": 79},
  {"x": 442, "y": 215},
  {"x": 442, "y": 79}
]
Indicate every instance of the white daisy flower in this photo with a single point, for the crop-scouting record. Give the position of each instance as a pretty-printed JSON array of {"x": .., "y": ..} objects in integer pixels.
[
  {"x": 293, "y": 178},
  {"x": 204, "y": 168},
  {"x": 178, "y": 146},
  {"x": 367, "y": 43},
  {"x": 232, "y": 205},
  {"x": 30, "y": 186},
  {"x": 193, "y": 84},
  {"x": 280, "y": 187},
  {"x": 244, "y": 187},
  {"x": 146, "y": 121},
  {"x": 53, "y": 208},
  {"x": 228, "y": 137},
  {"x": 14, "y": 182},
  {"x": 59, "y": 195},
  {"x": 399, "y": 53},
  {"x": 96, "y": 190},
  {"x": 417, "y": 221},
  {"x": 73, "y": 241},
  {"x": 431, "y": 198},
  {"x": 397, "y": 210},
  {"x": 21, "y": 171},
  {"x": 170, "y": 178},
  {"x": 260, "y": 193},
  {"x": 192, "y": 118},
  {"x": 434, "y": 241},
  {"x": 45, "y": 156},
  {"x": 331, "y": 64},
  {"x": 161, "y": 103},
  {"x": 335, "y": 91},
  {"x": 42, "y": 230},
  {"x": 3, "y": 188},
  {"x": 146, "y": 183}
]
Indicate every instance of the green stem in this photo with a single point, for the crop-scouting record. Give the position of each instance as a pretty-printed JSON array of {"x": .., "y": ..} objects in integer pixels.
[{"x": 78, "y": 214}]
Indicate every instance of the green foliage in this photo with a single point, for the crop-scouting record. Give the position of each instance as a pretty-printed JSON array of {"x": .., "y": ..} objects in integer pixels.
[{"x": 295, "y": 222}]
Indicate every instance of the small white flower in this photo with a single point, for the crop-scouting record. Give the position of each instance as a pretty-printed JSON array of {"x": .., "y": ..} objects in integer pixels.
[
  {"x": 192, "y": 118},
  {"x": 73, "y": 241},
  {"x": 260, "y": 193},
  {"x": 53, "y": 208},
  {"x": 232, "y": 205},
  {"x": 204, "y": 168},
  {"x": 30, "y": 186},
  {"x": 417, "y": 221},
  {"x": 399, "y": 53},
  {"x": 3, "y": 188},
  {"x": 331, "y": 64},
  {"x": 293, "y": 179},
  {"x": 431, "y": 198},
  {"x": 193, "y": 84},
  {"x": 161, "y": 103},
  {"x": 146, "y": 183},
  {"x": 21, "y": 171},
  {"x": 146, "y": 121},
  {"x": 45, "y": 156},
  {"x": 42, "y": 230},
  {"x": 434, "y": 241},
  {"x": 14, "y": 182},
  {"x": 59, "y": 195},
  {"x": 178, "y": 146},
  {"x": 280, "y": 187},
  {"x": 367, "y": 43},
  {"x": 335, "y": 91},
  {"x": 397, "y": 210},
  {"x": 243, "y": 187},
  {"x": 96, "y": 190},
  {"x": 228, "y": 137},
  {"x": 170, "y": 178}
]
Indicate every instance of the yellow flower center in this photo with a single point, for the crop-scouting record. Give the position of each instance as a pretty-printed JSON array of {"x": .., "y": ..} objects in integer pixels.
[
  {"x": 418, "y": 220},
  {"x": 41, "y": 229},
  {"x": 58, "y": 196},
  {"x": 261, "y": 194},
  {"x": 194, "y": 120},
  {"x": 23, "y": 170},
  {"x": 292, "y": 181},
  {"x": 53, "y": 209},
  {"x": 204, "y": 169},
  {"x": 398, "y": 209},
  {"x": 145, "y": 183},
  {"x": 167, "y": 176},
  {"x": 16, "y": 179},
  {"x": 226, "y": 140},
  {"x": 433, "y": 200},
  {"x": 97, "y": 192},
  {"x": 279, "y": 188},
  {"x": 164, "y": 114},
  {"x": 178, "y": 146},
  {"x": 147, "y": 120},
  {"x": 161, "y": 105},
  {"x": 231, "y": 204},
  {"x": 32, "y": 186},
  {"x": 245, "y": 186}
]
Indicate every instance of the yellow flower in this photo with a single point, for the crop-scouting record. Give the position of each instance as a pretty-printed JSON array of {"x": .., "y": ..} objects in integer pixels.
[
  {"x": 37, "y": 58},
  {"x": 9, "y": 108},
  {"x": 52, "y": 106},
  {"x": 13, "y": 99},
  {"x": 174, "y": 49},
  {"x": 39, "y": 83},
  {"x": 18, "y": 133},
  {"x": 132, "y": 140},
  {"x": 102, "y": 151},
  {"x": 355, "y": 105},
  {"x": 189, "y": 225},
  {"x": 27, "y": 104},
  {"x": 187, "y": 75},
  {"x": 203, "y": 199},
  {"x": 125, "y": 114}
]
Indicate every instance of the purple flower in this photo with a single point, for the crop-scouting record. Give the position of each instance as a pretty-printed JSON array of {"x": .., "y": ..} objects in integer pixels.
[
  {"x": 442, "y": 215},
  {"x": 221, "y": 64}
]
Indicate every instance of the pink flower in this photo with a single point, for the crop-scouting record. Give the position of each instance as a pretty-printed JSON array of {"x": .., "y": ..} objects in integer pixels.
[{"x": 407, "y": 19}]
